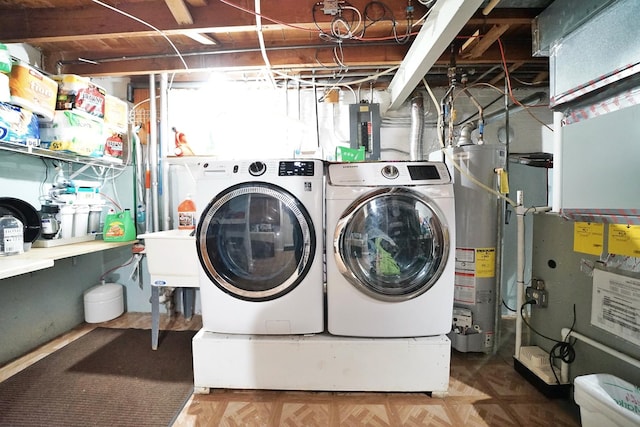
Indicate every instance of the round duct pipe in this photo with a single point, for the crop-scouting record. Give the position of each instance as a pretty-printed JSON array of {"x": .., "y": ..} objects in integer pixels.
[{"x": 416, "y": 148}]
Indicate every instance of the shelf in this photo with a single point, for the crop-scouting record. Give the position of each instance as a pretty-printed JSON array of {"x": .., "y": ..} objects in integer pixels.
[
  {"x": 58, "y": 155},
  {"x": 41, "y": 258}
]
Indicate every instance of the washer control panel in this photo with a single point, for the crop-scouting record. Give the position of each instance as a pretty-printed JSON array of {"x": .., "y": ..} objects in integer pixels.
[{"x": 296, "y": 168}]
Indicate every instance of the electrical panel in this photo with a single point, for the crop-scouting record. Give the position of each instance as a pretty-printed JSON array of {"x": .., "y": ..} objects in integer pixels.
[{"x": 364, "y": 124}]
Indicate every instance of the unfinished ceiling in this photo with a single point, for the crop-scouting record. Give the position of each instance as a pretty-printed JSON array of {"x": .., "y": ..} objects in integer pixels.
[{"x": 191, "y": 37}]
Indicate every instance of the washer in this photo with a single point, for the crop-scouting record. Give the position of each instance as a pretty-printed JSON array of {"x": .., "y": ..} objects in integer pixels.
[
  {"x": 259, "y": 240},
  {"x": 390, "y": 257}
]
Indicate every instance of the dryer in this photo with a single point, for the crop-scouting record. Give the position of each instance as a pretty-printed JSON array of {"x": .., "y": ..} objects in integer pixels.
[
  {"x": 259, "y": 241},
  {"x": 390, "y": 257}
]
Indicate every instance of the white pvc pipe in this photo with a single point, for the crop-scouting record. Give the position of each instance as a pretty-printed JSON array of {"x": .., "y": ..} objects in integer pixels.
[
  {"x": 520, "y": 211},
  {"x": 164, "y": 148},
  {"x": 564, "y": 367},
  {"x": 153, "y": 152},
  {"x": 557, "y": 162}
]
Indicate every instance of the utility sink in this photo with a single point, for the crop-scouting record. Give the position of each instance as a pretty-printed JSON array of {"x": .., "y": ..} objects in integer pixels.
[{"x": 172, "y": 258}]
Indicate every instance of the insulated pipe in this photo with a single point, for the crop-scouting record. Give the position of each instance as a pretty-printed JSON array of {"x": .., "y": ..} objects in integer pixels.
[
  {"x": 564, "y": 367},
  {"x": 416, "y": 148},
  {"x": 153, "y": 152}
]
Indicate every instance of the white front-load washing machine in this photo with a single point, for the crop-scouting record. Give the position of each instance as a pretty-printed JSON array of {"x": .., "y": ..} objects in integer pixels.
[
  {"x": 390, "y": 252},
  {"x": 259, "y": 240}
]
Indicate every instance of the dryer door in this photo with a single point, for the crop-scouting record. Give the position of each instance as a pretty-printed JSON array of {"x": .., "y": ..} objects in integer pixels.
[
  {"x": 256, "y": 241},
  {"x": 392, "y": 244}
]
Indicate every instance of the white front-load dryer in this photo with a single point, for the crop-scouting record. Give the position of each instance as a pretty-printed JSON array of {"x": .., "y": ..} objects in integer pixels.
[
  {"x": 390, "y": 252},
  {"x": 259, "y": 240}
]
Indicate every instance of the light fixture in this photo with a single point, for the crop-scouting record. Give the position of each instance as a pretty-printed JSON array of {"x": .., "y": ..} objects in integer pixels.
[{"x": 201, "y": 38}]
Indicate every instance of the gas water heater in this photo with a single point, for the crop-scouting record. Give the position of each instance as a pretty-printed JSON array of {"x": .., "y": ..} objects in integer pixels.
[{"x": 477, "y": 213}]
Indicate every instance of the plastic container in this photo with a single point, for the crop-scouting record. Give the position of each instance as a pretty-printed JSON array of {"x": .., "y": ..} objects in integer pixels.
[
  {"x": 103, "y": 302},
  {"x": 187, "y": 214},
  {"x": 119, "y": 227},
  {"x": 50, "y": 224},
  {"x": 11, "y": 236},
  {"x": 95, "y": 213},
  {"x": 606, "y": 400},
  {"x": 5, "y": 59},
  {"x": 66, "y": 221},
  {"x": 81, "y": 221}
]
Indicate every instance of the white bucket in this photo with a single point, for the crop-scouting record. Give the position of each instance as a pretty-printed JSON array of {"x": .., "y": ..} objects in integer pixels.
[{"x": 606, "y": 400}]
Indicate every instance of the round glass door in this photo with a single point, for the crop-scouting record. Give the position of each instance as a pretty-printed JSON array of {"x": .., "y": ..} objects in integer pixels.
[
  {"x": 255, "y": 241},
  {"x": 392, "y": 244}
]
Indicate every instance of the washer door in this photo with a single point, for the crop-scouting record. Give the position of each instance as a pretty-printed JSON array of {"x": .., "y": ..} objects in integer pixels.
[
  {"x": 392, "y": 244},
  {"x": 256, "y": 241}
]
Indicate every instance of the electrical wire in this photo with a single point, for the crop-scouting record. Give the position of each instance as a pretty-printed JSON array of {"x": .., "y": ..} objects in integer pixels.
[
  {"x": 507, "y": 307},
  {"x": 508, "y": 80},
  {"x": 162, "y": 33},
  {"x": 111, "y": 270},
  {"x": 562, "y": 350},
  {"x": 252, "y": 12}
]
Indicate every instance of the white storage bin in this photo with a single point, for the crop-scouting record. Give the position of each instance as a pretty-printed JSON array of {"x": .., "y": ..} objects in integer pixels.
[
  {"x": 606, "y": 400},
  {"x": 103, "y": 303}
]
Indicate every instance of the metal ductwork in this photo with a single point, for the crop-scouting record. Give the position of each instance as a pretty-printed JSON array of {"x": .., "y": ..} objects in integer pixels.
[{"x": 416, "y": 147}]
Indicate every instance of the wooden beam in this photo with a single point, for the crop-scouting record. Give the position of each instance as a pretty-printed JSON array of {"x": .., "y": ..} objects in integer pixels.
[
  {"x": 179, "y": 11},
  {"x": 384, "y": 56},
  {"x": 197, "y": 3},
  {"x": 43, "y": 24},
  {"x": 487, "y": 40}
]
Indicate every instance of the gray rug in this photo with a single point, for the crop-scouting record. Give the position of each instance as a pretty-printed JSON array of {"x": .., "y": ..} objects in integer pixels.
[{"x": 109, "y": 377}]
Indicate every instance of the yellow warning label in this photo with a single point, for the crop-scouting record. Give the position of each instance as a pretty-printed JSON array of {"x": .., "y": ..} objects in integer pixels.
[
  {"x": 485, "y": 262},
  {"x": 624, "y": 239},
  {"x": 588, "y": 238}
]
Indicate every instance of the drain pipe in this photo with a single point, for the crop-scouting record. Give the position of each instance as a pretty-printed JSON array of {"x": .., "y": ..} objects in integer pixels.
[{"x": 416, "y": 148}]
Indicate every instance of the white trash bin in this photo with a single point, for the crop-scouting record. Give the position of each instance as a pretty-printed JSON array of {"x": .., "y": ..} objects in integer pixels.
[{"x": 606, "y": 400}]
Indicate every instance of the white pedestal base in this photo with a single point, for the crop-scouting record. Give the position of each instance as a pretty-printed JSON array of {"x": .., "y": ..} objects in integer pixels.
[{"x": 321, "y": 362}]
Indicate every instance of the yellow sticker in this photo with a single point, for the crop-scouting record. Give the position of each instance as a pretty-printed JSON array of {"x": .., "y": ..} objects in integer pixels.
[
  {"x": 624, "y": 240},
  {"x": 485, "y": 262},
  {"x": 588, "y": 238}
]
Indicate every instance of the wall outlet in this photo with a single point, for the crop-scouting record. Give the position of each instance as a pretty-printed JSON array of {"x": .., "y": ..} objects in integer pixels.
[{"x": 540, "y": 296}]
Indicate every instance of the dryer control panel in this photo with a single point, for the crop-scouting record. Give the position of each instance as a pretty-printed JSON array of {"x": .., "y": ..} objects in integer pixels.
[{"x": 371, "y": 174}]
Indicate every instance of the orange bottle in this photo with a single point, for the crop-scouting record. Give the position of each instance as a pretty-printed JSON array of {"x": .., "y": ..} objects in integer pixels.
[{"x": 187, "y": 214}]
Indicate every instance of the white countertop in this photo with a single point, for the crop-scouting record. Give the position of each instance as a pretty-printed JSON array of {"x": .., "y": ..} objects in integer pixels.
[{"x": 41, "y": 258}]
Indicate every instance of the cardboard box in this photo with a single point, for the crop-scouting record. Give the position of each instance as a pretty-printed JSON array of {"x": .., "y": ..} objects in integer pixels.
[
  {"x": 32, "y": 90},
  {"x": 18, "y": 125}
]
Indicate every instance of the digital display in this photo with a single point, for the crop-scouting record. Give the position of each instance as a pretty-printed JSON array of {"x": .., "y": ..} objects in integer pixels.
[
  {"x": 423, "y": 172},
  {"x": 295, "y": 168}
]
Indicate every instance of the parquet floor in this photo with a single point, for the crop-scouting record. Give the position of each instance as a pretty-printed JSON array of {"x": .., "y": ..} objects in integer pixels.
[{"x": 484, "y": 390}]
